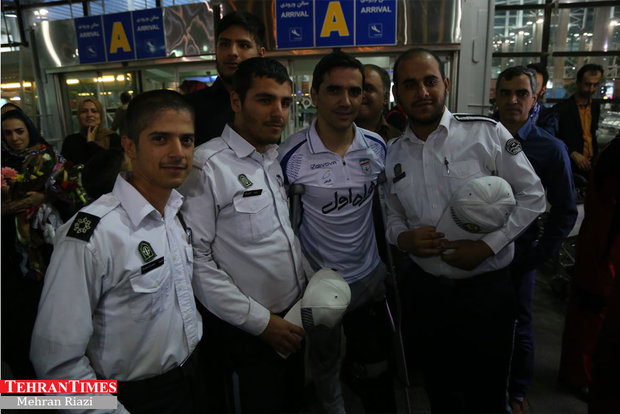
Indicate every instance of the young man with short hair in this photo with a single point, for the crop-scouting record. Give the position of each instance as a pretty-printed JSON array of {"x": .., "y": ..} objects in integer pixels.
[
  {"x": 339, "y": 163},
  {"x": 240, "y": 35},
  {"x": 461, "y": 298},
  {"x": 117, "y": 301},
  {"x": 248, "y": 269}
]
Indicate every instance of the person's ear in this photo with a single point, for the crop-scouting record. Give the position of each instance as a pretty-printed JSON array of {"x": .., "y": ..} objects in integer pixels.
[
  {"x": 235, "y": 102},
  {"x": 395, "y": 93},
  {"x": 129, "y": 146}
]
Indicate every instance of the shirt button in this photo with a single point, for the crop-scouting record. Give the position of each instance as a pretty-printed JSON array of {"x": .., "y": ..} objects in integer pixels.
[
  {"x": 174, "y": 256},
  {"x": 186, "y": 316},
  {"x": 181, "y": 286}
]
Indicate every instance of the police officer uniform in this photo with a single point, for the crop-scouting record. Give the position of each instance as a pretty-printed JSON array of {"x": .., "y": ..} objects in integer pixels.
[
  {"x": 118, "y": 304},
  {"x": 247, "y": 265},
  {"x": 337, "y": 232},
  {"x": 465, "y": 318}
]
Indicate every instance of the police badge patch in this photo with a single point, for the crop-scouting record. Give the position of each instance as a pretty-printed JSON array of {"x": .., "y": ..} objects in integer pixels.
[
  {"x": 146, "y": 251},
  {"x": 245, "y": 181},
  {"x": 83, "y": 226},
  {"x": 513, "y": 146}
]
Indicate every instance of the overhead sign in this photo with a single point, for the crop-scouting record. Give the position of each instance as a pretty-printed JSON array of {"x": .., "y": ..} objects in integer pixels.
[
  {"x": 119, "y": 36},
  {"x": 375, "y": 22},
  {"x": 334, "y": 23},
  {"x": 148, "y": 28},
  {"x": 294, "y": 24},
  {"x": 89, "y": 31}
]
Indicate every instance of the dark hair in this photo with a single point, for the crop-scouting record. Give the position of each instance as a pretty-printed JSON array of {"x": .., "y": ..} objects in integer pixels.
[
  {"x": 413, "y": 53},
  {"x": 99, "y": 173},
  {"x": 257, "y": 67},
  {"x": 10, "y": 104},
  {"x": 385, "y": 78},
  {"x": 125, "y": 97},
  {"x": 518, "y": 71},
  {"x": 146, "y": 106},
  {"x": 334, "y": 60},
  {"x": 248, "y": 21},
  {"x": 540, "y": 68},
  {"x": 590, "y": 67}
]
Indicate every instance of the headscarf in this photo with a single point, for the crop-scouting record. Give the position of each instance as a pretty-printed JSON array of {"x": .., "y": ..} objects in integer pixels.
[
  {"x": 10, "y": 157},
  {"x": 102, "y": 136}
]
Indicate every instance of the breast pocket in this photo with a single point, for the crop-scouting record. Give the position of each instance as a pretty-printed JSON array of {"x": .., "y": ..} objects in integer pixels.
[
  {"x": 255, "y": 218},
  {"x": 151, "y": 292},
  {"x": 462, "y": 170}
]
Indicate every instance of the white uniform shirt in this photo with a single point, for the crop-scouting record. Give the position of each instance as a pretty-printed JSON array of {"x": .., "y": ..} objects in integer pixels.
[
  {"x": 108, "y": 310},
  {"x": 423, "y": 175},
  {"x": 247, "y": 258},
  {"x": 337, "y": 229}
]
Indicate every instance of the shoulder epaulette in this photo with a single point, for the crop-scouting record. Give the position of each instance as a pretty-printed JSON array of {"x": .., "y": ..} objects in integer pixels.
[
  {"x": 473, "y": 118},
  {"x": 86, "y": 221},
  {"x": 83, "y": 226}
]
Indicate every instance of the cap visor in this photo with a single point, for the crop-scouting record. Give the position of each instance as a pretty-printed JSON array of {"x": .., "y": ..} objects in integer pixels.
[
  {"x": 294, "y": 314},
  {"x": 452, "y": 231}
]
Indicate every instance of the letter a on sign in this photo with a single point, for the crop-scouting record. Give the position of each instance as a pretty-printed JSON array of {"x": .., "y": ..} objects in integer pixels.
[
  {"x": 119, "y": 39},
  {"x": 334, "y": 20}
]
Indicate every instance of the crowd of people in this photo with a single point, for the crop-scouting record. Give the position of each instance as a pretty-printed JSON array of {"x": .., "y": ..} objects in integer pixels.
[{"x": 175, "y": 270}]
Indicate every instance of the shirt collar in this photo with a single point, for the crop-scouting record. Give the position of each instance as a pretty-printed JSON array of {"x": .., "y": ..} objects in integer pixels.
[
  {"x": 444, "y": 124},
  {"x": 317, "y": 146},
  {"x": 525, "y": 130},
  {"x": 242, "y": 148},
  {"x": 136, "y": 206}
]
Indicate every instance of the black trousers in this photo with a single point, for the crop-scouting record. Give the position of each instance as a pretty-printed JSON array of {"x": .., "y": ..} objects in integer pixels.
[
  {"x": 245, "y": 374},
  {"x": 180, "y": 390},
  {"x": 462, "y": 338}
]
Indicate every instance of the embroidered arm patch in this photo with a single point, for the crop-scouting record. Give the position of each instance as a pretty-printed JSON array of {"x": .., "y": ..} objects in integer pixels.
[
  {"x": 513, "y": 146},
  {"x": 83, "y": 226}
]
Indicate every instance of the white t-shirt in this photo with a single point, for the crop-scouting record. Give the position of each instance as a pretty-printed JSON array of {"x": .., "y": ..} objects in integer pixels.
[{"x": 337, "y": 229}]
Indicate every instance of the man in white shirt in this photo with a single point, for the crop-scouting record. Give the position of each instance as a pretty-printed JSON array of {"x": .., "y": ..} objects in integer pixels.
[
  {"x": 338, "y": 163},
  {"x": 248, "y": 270},
  {"x": 117, "y": 301},
  {"x": 460, "y": 296}
]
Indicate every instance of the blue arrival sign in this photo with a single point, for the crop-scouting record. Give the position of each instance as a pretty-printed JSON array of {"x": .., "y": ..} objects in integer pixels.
[
  {"x": 119, "y": 36},
  {"x": 334, "y": 23},
  {"x": 91, "y": 45},
  {"x": 294, "y": 24},
  {"x": 148, "y": 26},
  {"x": 375, "y": 22}
]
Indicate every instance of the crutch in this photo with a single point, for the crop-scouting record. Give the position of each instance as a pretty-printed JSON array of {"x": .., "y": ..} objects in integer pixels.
[
  {"x": 295, "y": 192},
  {"x": 395, "y": 317}
]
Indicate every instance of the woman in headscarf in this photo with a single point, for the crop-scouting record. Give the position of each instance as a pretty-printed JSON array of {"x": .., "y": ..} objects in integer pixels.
[
  {"x": 93, "y": 137},
  {"x": 29, "y": 167}
]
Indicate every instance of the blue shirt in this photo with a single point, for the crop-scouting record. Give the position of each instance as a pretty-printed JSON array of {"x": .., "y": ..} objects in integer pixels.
[
  {"x": 549, "y": 157},
  {"x": 544, "y": 118}
]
